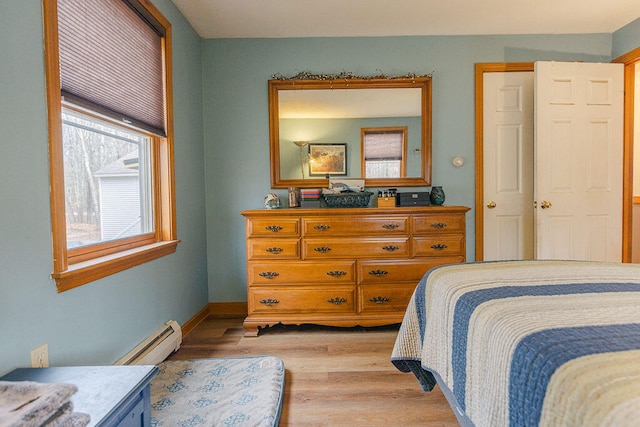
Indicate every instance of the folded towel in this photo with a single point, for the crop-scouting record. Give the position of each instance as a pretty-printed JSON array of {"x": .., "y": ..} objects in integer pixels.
[
  {"x": 65, "y": 417},
  {"x": 76, "y": 419},
  {"x": 31, "y": 404},
  {"x": 60, "y": 415}
]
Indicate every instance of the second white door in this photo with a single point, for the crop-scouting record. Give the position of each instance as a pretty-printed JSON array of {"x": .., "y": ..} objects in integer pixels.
[{"x": 579, "y": 159}]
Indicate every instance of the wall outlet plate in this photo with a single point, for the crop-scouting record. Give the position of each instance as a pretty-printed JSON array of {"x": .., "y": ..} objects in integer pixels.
[{"x": 40, "y": 357}]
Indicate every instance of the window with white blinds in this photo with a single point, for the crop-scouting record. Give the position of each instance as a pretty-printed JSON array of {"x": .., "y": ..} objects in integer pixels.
[
  {"x": 384, "y": 152},
  {"x": 109, "y": 97}
]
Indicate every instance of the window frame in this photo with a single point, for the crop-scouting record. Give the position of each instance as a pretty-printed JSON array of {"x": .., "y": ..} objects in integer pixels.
[
  {"x": 399, "y": 130},
  {"x": 76, "y": 267}
]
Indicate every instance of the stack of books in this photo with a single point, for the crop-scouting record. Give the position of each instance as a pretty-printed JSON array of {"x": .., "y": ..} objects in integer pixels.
[{"x": 310, "y": 197}]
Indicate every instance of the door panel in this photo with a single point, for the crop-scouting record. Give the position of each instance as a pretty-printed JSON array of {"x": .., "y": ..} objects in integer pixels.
[
  {"x": 560, "y": 173},
  {"x": 510, "y": 231},
  {"x": 579, "y": 158}
]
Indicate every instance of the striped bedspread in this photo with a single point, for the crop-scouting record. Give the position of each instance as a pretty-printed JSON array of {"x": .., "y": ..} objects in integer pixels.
[{"x": 528, "y": 343}]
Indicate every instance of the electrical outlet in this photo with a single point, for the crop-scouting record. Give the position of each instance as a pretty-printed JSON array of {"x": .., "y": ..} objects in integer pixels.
[{"x": 40, "y": 357}]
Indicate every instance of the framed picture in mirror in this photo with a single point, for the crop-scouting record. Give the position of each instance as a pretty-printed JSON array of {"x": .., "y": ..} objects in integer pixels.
[{"x": 327, "y": 159}]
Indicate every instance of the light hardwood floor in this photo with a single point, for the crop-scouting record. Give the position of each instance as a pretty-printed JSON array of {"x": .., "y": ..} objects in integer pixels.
[{"x": 334, "y": 376}]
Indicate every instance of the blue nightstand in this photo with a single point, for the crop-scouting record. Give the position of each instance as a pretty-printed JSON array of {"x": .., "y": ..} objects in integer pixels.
[{"x": 111, "y": 395}]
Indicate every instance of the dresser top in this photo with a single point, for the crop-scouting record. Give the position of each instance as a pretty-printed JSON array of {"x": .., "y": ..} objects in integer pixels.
[{"x": 401, "y": 210}]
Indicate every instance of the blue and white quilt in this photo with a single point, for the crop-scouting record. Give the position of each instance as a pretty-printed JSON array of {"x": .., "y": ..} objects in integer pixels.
[{"x": 528, "y": 343}]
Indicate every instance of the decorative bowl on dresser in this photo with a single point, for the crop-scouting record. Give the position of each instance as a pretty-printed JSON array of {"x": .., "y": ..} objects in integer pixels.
[{"x": 344, "y": 266}]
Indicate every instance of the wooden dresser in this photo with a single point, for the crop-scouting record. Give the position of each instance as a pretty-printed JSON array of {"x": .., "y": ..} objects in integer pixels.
[{"x": 344, "y": 267}]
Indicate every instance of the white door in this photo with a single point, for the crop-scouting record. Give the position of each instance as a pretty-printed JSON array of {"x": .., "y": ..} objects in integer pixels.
[
  {"x": 578, "y": 160},
  {"x": 508, "y": 166}
]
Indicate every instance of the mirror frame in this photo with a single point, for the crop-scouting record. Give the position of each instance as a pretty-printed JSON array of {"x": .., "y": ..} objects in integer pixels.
[{"x": 421, "y": 82}]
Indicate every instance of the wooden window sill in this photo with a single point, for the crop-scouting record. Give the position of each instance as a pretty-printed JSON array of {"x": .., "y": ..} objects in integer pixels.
[{"x": 97, "y": 268}]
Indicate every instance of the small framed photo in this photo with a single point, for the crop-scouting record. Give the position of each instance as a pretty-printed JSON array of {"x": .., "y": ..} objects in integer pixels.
[{"x": 328, "y": 159}]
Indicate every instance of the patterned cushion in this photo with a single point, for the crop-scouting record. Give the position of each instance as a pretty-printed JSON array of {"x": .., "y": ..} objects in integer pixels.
[{"x": 235, "y": 392}]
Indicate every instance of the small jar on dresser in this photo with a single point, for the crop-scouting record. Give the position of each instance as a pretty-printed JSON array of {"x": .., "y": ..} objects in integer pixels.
[{"x": 344, "y": 266}]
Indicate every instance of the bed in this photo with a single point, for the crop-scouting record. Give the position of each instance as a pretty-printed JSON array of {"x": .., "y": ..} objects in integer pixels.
[{"x": 528, "y": 343}]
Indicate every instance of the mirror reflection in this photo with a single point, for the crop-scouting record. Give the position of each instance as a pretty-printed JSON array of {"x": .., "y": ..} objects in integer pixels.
[{"x": 377, "y": 129}]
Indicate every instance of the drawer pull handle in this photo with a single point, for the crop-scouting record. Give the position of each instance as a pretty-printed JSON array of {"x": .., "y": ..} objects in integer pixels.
[
  {"x": 439, "y": 247},
  {"x": 322, "y": 249},
  {"x": 322, "y": 227},
  {"x": 269, "y": 301},
  {"x": 391, "y": 248},
  {"x": 274, "y": 251},
  {"x": 337, "y": 301},
  {"x": 378, "y": 273},
  {"x": 390, "y": 226},
  {"x": 273, "y": 228},
  {"x": 379, "y": 300},
  {"x": 439, "y": 225},
  {"x": 268, "y": 274},
  {"x": 336, "y": 273}
]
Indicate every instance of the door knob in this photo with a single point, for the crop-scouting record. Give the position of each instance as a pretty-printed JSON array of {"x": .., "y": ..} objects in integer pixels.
[
  {"x": 545, "y": 205},
  {"x": 491, "y": 204}
]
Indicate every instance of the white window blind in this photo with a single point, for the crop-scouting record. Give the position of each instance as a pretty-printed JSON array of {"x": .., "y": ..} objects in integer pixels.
[
  {"x": 111, "y": 61},
  {"x": 383, "y": 145}
]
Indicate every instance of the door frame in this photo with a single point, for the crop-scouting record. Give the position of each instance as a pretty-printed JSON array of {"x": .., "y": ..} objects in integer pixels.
[
  {"x": 481, "y": 68},
  {"x": 628, "y": 59}
]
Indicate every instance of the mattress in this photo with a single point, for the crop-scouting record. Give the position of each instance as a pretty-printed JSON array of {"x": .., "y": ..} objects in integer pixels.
[{"x": 245, "y": 391}]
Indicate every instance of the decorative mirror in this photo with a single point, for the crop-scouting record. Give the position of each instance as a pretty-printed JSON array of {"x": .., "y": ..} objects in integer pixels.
[{"x": 345, "y": 122}]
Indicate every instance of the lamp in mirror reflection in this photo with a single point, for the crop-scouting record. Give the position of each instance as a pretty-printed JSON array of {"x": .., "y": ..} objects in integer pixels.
[{"x": 302, "y": 145}]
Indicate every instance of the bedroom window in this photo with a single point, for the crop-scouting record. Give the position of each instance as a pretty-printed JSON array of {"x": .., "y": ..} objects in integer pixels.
[
  {"x": 108, "y": 68},
  {"x": 384, "y": 152}
]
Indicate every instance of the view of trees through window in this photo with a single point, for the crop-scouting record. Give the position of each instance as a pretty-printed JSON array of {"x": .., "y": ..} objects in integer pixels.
[{"x": 106, "y": 177}]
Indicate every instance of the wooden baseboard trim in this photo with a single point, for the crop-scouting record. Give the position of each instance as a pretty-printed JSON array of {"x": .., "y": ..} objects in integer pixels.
[
  {"x": 215, "y": 309},
  {"x": 227, "y": 309},
  {"x": 195, "y": 320}
]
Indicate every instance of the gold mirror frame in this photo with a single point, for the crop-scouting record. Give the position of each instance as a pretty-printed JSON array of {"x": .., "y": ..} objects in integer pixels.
[{"x": 320, "y": 82}]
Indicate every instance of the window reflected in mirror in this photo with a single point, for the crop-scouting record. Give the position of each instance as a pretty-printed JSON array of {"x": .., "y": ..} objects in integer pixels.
[{"x": 384, "y": 152}]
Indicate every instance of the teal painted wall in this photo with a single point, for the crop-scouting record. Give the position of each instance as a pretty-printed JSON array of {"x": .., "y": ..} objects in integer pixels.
[
  {"x": 235, "y": 75},
  {"x": 101, "y": 321},
  {"x": 626, "y": 39}
]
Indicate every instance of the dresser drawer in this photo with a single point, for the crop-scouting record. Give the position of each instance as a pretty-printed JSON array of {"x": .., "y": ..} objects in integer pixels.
[
  {"x": 335, "y": 247},
  {"x": 273, "y": 227},
  {"x": 355, "y": 226},
  {"x": 301, "y": 299},
  {"x": 263, "y": 248},
  {"x": 380, "y": 271},
  {"x": 444, "y": 245},
  {"x": 296, "y": 272},
  {"x": 377, "y": 298},
  {"x": 438, "y": 223}
]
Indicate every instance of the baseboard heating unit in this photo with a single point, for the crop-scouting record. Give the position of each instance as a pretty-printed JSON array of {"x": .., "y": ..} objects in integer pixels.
[{"x": 153, "y": 350}]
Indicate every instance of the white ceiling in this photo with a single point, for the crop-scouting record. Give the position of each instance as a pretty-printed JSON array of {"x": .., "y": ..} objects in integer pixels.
[{"x": 350, "y": 18}]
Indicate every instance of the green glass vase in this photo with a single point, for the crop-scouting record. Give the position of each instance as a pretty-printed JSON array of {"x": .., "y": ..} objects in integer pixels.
[{"x": 437, "y": 196}]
